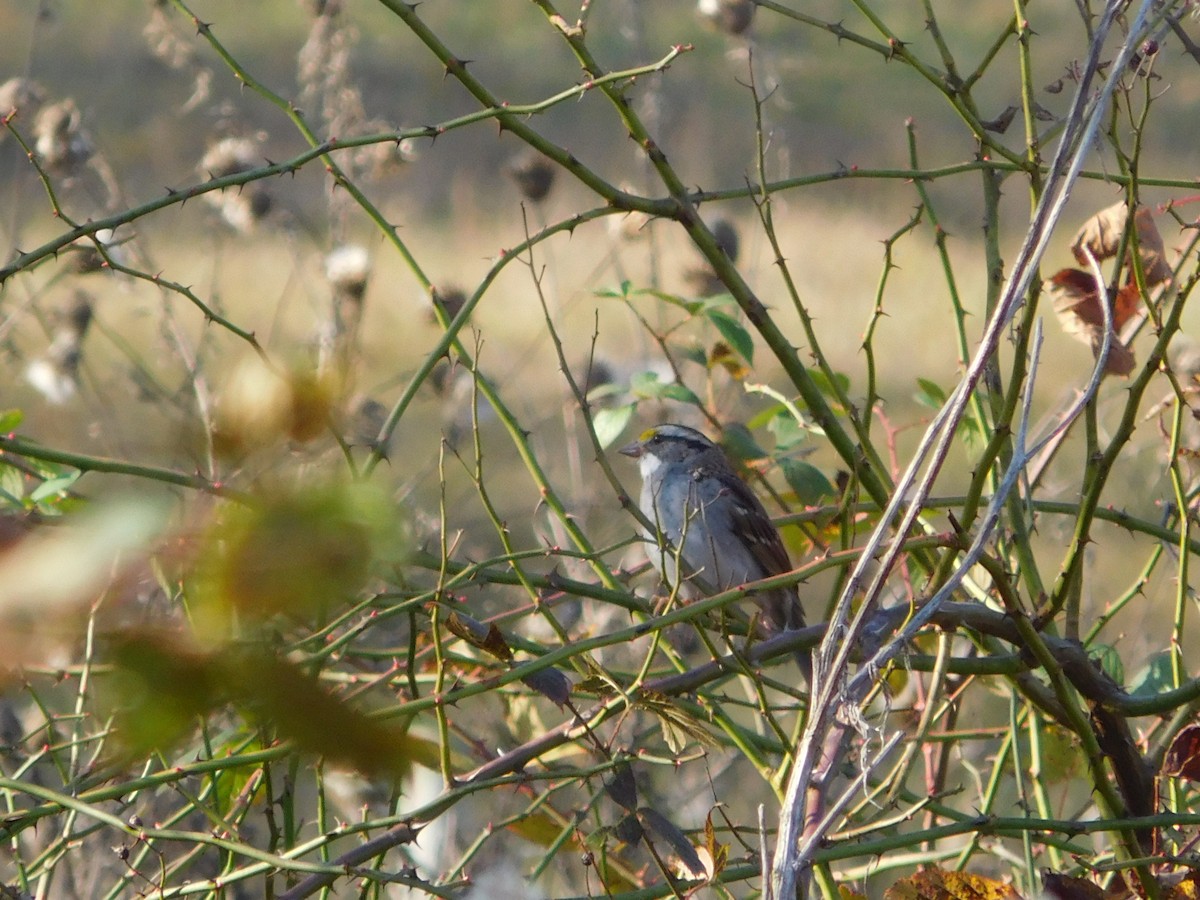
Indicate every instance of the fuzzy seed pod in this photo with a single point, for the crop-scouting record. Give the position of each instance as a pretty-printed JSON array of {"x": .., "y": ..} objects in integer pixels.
[
  {"x": 534, "y": 175},
  {"x": 242, "y": 208},
  {"x": 59, "y": 139},
  {"x": 729, "y": 16},
  {"x": 22, "y": 96},
  {"x": 55, "y": 375},
  {"x": 451, "y": 299},
  {"x": 348, "y": 268}
]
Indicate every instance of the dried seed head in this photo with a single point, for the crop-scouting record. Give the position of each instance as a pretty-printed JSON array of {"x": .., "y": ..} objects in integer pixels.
[
  {"x": 243, "y": 207},
  {"x": 55, "y": 385},
  {"x": 533, "y": 174},
  {"x": 229, "y": 156},
  {"x": 727, "y": 238},
  {"x": 451, "y": 299},
  {"x": 366, "y": 422},
  {"x": 348, "y": 268},
  {"x": 629, "y": 227},
  {"x": 77, "y": 317},
  {"x": 729, "y": 16},
  {"x": 20, "y": 95},
  {"x": 703, "y": 279},
  {"x": 327, "y": 8},
  {"x": 259, "y": 407},
  {"x": 59, "y": 139},
  {"x": 86, "y": 256},
  {"x": 55, "y": 375},
  {"x": 598, "y": 380}
]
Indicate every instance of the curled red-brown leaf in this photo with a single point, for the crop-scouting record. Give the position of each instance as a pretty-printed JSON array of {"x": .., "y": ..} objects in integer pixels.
[
  {"x": 1077, "y": 304},
  {"x": 1102, "y": 233},
  {"x": 1182, "y": 759}
]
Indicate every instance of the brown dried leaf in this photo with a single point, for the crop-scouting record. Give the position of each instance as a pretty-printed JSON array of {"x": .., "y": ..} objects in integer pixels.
[
  {"x": 1077, "y": 305},
  {"x": 1101, "y": 234},
  {"x": 1000, "y": 124},
  {"x": 551, "y": 684},
  {"x": 659, "y": 826},
  {"x": 486, "y": 637},
  {"x": 1064, "y": 887},
  {"x": 717, "y": 852},
  {"x": 629, "y": 830},
  {"x": 1182, "y": 759},
  {"x": 723, "y": 355},
  {"x": 622, "y": 787},
  {"x": 678, "y": 726}
]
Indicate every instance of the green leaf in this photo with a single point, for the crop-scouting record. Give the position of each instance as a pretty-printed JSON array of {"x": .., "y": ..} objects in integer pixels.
[
  {"x": 679, "y": 392},
  {"x": 12, "y": 485},
  {"x": 601, "y": 391},
  {"x": 10, "y": 419},
  {"x": 839, "y": 385},
  {"x": 788, "y": 432},
  {"x": 763, "y": 418},
  {"x": 54, "y": 486},
  {"x": 1110, "y": 661},
  {"x": 809, "y": 482},
  {"x": 739, "y": 443},
  {"x": 645, "y": 385},
  {"x": 714, "y": 301},
  {"x": 734, "y": 334},
  {"x": 688, "y": 306},
  {"x": 929, "y": 394},
  {"x": 693, "y": 352},
  {"x": 1155, "y": 678},
  {"x": 619, "y": 293},
  {"x": 609, "y": 423},
  {"x": 648, "y": 386}
]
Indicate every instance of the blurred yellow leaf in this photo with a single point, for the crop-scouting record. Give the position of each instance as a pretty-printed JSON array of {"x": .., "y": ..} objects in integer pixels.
[
  {"x": 297, "y": 553},
  {"x": 67, "y": 565},
  {"x": 51, "y": 576},
  {"x": 939, "y": 884},
  {"x": 163, "y": 685},
  {"x": 317, "y": 721}
]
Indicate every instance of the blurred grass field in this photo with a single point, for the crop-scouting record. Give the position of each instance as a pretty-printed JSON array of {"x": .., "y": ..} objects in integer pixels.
[{"x": 153, "y": 367}]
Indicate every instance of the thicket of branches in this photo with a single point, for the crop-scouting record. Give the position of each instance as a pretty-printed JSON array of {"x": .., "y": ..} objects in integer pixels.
[{"x": 347, "y": 606}]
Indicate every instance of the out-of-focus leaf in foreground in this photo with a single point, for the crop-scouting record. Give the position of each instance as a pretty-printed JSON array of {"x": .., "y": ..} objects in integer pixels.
[
  {"x": 51, "y": 577},
  {"x": 163, "y": 685},
  {"x": 298, "y": 552}
]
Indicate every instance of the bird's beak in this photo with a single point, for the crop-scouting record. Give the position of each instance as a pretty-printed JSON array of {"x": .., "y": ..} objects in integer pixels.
[{"x": 633, "y": 450}]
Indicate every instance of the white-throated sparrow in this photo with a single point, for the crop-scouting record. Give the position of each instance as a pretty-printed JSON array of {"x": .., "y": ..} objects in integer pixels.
[{"x": 708, "y": 517}]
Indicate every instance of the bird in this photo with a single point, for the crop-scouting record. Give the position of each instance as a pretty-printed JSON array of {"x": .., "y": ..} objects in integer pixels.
[{"x": 707, "y": 516}]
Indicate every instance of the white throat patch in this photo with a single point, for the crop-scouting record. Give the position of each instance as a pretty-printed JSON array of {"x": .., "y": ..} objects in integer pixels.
[{"x": 649, "y": 464}]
